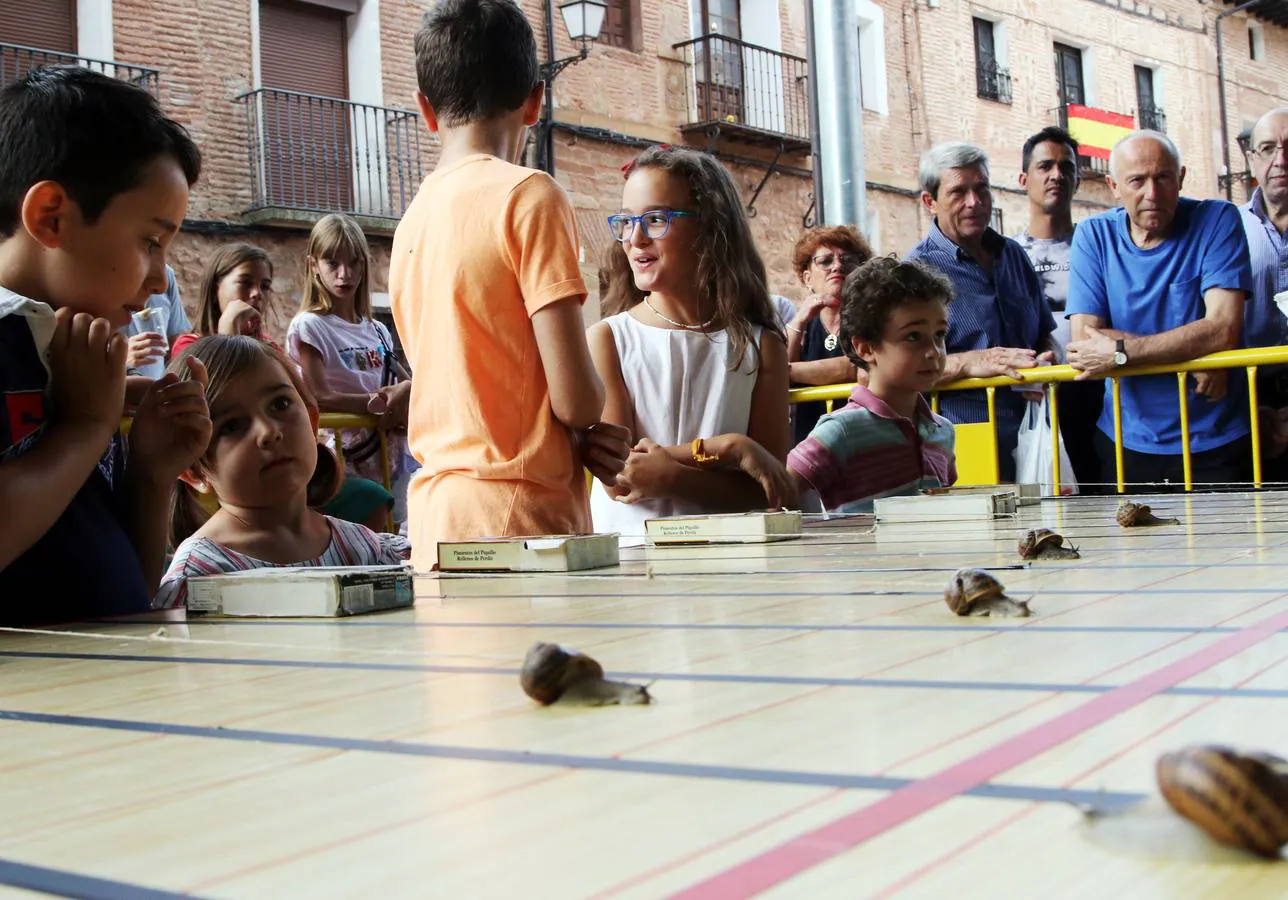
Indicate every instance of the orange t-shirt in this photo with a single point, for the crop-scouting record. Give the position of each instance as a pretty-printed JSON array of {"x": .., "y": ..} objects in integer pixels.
[{"x": 484, "y": 245}]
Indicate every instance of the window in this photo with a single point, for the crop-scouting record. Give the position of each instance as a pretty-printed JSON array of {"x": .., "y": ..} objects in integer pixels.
[
  {"x": 1256, "y": 42},
  {"x": 622, "y": 25},
  {"x": 996, "y": 223},
  {"x": 1068, "y": 76},
  {"x": 992, "y": 81},
  {"x": 1148, "y": 115}
]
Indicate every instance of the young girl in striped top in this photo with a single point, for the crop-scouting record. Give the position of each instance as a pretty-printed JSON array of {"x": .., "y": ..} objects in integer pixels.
[{"x": 267, "y": 469}]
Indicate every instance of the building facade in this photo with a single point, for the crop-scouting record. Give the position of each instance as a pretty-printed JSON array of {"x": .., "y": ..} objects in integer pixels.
[{"x": 306, "y": 106}]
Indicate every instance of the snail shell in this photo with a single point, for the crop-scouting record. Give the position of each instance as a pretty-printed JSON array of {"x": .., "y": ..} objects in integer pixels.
[
  {"x": 974, "y": 592},
  {"x": 1240, "y": 800},
  {"x": 554, "y": 674},
  {"x": 1131, "y": 515},
  {"x": 1043, "y": 543}
]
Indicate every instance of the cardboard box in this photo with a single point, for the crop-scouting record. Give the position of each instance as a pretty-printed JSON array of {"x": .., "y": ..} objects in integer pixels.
[
  {"x": 946, "y": 507},
  {"x": 732, "y": 528},
  {"x": 547, "y": 553},
  {"x": 325, "y": 591}
]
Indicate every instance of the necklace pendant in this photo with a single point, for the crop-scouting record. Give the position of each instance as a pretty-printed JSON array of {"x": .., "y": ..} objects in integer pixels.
[{"x": 830, "y": 342}]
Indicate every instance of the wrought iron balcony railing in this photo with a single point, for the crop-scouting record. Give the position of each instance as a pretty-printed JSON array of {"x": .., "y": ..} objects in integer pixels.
[
  {"x": 1152, "y": 117},
  {"x": 16, "y": 60},
  {"x": 320, "y": 154},
  {"x": 745, "y": 91},
  {"x": 992, "y": 82}
]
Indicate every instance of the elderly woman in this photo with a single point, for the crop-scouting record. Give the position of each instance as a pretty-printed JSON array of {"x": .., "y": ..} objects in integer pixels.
[{"x": 823, "y": 257}]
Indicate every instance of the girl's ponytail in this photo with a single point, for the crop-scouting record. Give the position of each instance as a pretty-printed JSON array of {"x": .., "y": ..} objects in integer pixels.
[{"x": 186, "y": 513}]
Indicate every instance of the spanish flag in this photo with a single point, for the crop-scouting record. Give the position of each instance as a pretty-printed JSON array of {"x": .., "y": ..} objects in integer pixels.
[{"x": 1096, "y": 130}]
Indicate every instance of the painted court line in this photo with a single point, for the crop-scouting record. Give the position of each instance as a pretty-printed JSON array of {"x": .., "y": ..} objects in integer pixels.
[
  {"x": 800, "y": 854},
  {"x": 1026, "y": 793},
  {"x": 695, "y": 677},
  {"x": 61, "y": 883}
]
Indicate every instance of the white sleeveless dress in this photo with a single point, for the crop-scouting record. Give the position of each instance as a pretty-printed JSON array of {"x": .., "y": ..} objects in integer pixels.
[{"x": 682, "y": 387}]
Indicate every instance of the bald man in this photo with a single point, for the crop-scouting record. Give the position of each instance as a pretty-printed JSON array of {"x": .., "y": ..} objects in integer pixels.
[{"x": 1161, "y": 280}]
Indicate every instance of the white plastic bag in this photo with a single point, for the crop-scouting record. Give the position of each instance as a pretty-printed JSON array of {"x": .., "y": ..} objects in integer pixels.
[{"x": 1034, "y": 461}]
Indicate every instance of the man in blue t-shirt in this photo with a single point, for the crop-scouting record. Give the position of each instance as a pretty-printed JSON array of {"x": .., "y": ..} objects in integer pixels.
[{"x": 1161, "y": 280}]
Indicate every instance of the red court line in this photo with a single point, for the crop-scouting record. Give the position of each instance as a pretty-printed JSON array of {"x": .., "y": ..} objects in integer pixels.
[{"x": 802, "y": 853}]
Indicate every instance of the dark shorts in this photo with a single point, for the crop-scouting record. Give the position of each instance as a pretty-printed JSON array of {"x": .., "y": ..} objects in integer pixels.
[{"x": 1147, "y": 473}]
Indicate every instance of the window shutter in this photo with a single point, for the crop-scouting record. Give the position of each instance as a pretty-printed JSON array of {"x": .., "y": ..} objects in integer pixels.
[
  {"x": 42, "y": 24},
  {"x": 302, "y": 48}
]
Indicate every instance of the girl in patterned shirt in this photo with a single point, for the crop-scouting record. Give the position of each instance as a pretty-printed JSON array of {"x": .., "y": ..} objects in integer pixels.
[{"x": 267, "y": 470}]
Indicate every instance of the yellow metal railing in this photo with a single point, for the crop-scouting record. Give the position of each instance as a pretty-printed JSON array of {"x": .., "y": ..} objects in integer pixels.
[{"x": 1249, "y": 360}]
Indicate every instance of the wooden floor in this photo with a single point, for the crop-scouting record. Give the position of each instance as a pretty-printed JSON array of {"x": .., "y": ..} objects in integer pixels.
[{"x": 823, "y": 727}]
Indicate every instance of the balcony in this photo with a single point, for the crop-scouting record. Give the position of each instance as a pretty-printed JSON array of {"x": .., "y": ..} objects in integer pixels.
[
  {"x": 313, "y": 155},
  {"x": 16, "y": 60},
  {"x": 745, "y": 93},
  {"x": 1152, "y": 117},
  {"x": 992, "y": 82}
]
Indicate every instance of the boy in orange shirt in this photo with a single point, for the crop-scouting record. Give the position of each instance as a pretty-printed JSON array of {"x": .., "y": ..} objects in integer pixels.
[{"x": 487, "y": 292}]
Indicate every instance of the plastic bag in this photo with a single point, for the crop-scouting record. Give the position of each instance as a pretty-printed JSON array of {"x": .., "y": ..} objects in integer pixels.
[{"x": 1034, "y": 461}]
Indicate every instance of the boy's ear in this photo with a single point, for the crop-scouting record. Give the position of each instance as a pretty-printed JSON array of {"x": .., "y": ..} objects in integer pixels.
[
  {"x": 532, "y": 106},
  {"x": 44, "y": 213},
  {"x": 864, "y": 350},
  {"x": 427, "y": 112}
]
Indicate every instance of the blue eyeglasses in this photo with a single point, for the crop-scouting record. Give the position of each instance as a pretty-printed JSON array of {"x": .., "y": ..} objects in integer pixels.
[{"x": 656, "y": 223}]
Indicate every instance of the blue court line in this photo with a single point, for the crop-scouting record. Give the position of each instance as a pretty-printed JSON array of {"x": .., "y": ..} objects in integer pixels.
[
  {"x": 1027, "y": 793},
  {"x": 693, "y": 677},
  {"x": 62, "y": 883}
]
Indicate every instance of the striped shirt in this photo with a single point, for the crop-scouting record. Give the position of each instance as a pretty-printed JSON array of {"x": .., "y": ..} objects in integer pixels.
[
  {"x": 867, "y": 450},
  {"x": 1001, "y": 308},
  {"x": 351, "y": 545}
]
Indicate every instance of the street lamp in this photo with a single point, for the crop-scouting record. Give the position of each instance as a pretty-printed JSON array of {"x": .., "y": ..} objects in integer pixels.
[{"x": 583, "y": 19}]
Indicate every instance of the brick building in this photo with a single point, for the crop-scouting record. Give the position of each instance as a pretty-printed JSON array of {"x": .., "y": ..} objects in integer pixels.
[{"x": 302, "y": 106}]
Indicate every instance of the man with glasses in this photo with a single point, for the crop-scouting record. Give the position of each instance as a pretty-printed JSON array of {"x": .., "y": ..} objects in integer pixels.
[
  {"x": 1265, "y": 222},
  {"x": 999, "y": 321}
]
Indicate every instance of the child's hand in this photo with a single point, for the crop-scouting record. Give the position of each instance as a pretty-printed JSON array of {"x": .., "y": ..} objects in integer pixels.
[
  {"x": 646, "y": 473},
  {"x": 757, "y": 462},
  {"x": 87, "y": 371},
  {"x": 604, "y": 448},
  {"x": 172, "y": 427},
  {"x": 396, "y": 401},
  {"x": 146, "y": 347},
  {"x": 239, "y": 317}
]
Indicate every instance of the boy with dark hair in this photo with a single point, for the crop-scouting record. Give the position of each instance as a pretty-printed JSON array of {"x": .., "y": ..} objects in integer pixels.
[
  {"x": 486, "y": 286},
  {"x": 885, "y": 441},
  {"x": 94, "y": 184}
]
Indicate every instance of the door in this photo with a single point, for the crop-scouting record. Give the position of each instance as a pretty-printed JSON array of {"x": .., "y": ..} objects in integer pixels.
[
  {"x": 1068, "y": 77},
  {"x": 306, "y": 135},
  {"x": 720, "y": 62},
  {"x": 985, "y": 59},
  {"x": 1148, "y": 114}
]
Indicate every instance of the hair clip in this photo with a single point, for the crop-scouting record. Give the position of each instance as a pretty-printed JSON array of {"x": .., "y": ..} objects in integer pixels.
[{"x": 630, "y": 166}]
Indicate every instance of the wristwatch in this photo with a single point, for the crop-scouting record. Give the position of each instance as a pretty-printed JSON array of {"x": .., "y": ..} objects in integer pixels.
[{"x": 1120, "y": 353}]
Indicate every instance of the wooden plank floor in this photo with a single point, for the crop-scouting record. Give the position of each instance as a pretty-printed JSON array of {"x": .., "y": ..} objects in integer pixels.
[{"x": 824, "y": 727}]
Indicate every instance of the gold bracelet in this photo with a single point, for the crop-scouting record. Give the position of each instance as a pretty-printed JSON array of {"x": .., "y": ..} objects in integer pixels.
[{"x": 700, "y": 456}]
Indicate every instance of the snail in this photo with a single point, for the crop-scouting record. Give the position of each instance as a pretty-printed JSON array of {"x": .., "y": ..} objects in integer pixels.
[
  {"x": 1238, "y": 799},
  {"x": 1132, "y": 514},
  {"x": 553, "y": 674},
  {"x": 1043, "y": 543},
  {"x": 974, "y": 592}
]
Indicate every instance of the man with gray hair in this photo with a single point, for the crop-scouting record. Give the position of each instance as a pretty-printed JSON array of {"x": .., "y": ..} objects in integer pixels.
[
  {"x": 1160, "y": 280},
  {"x": 999, "y": 322}
]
